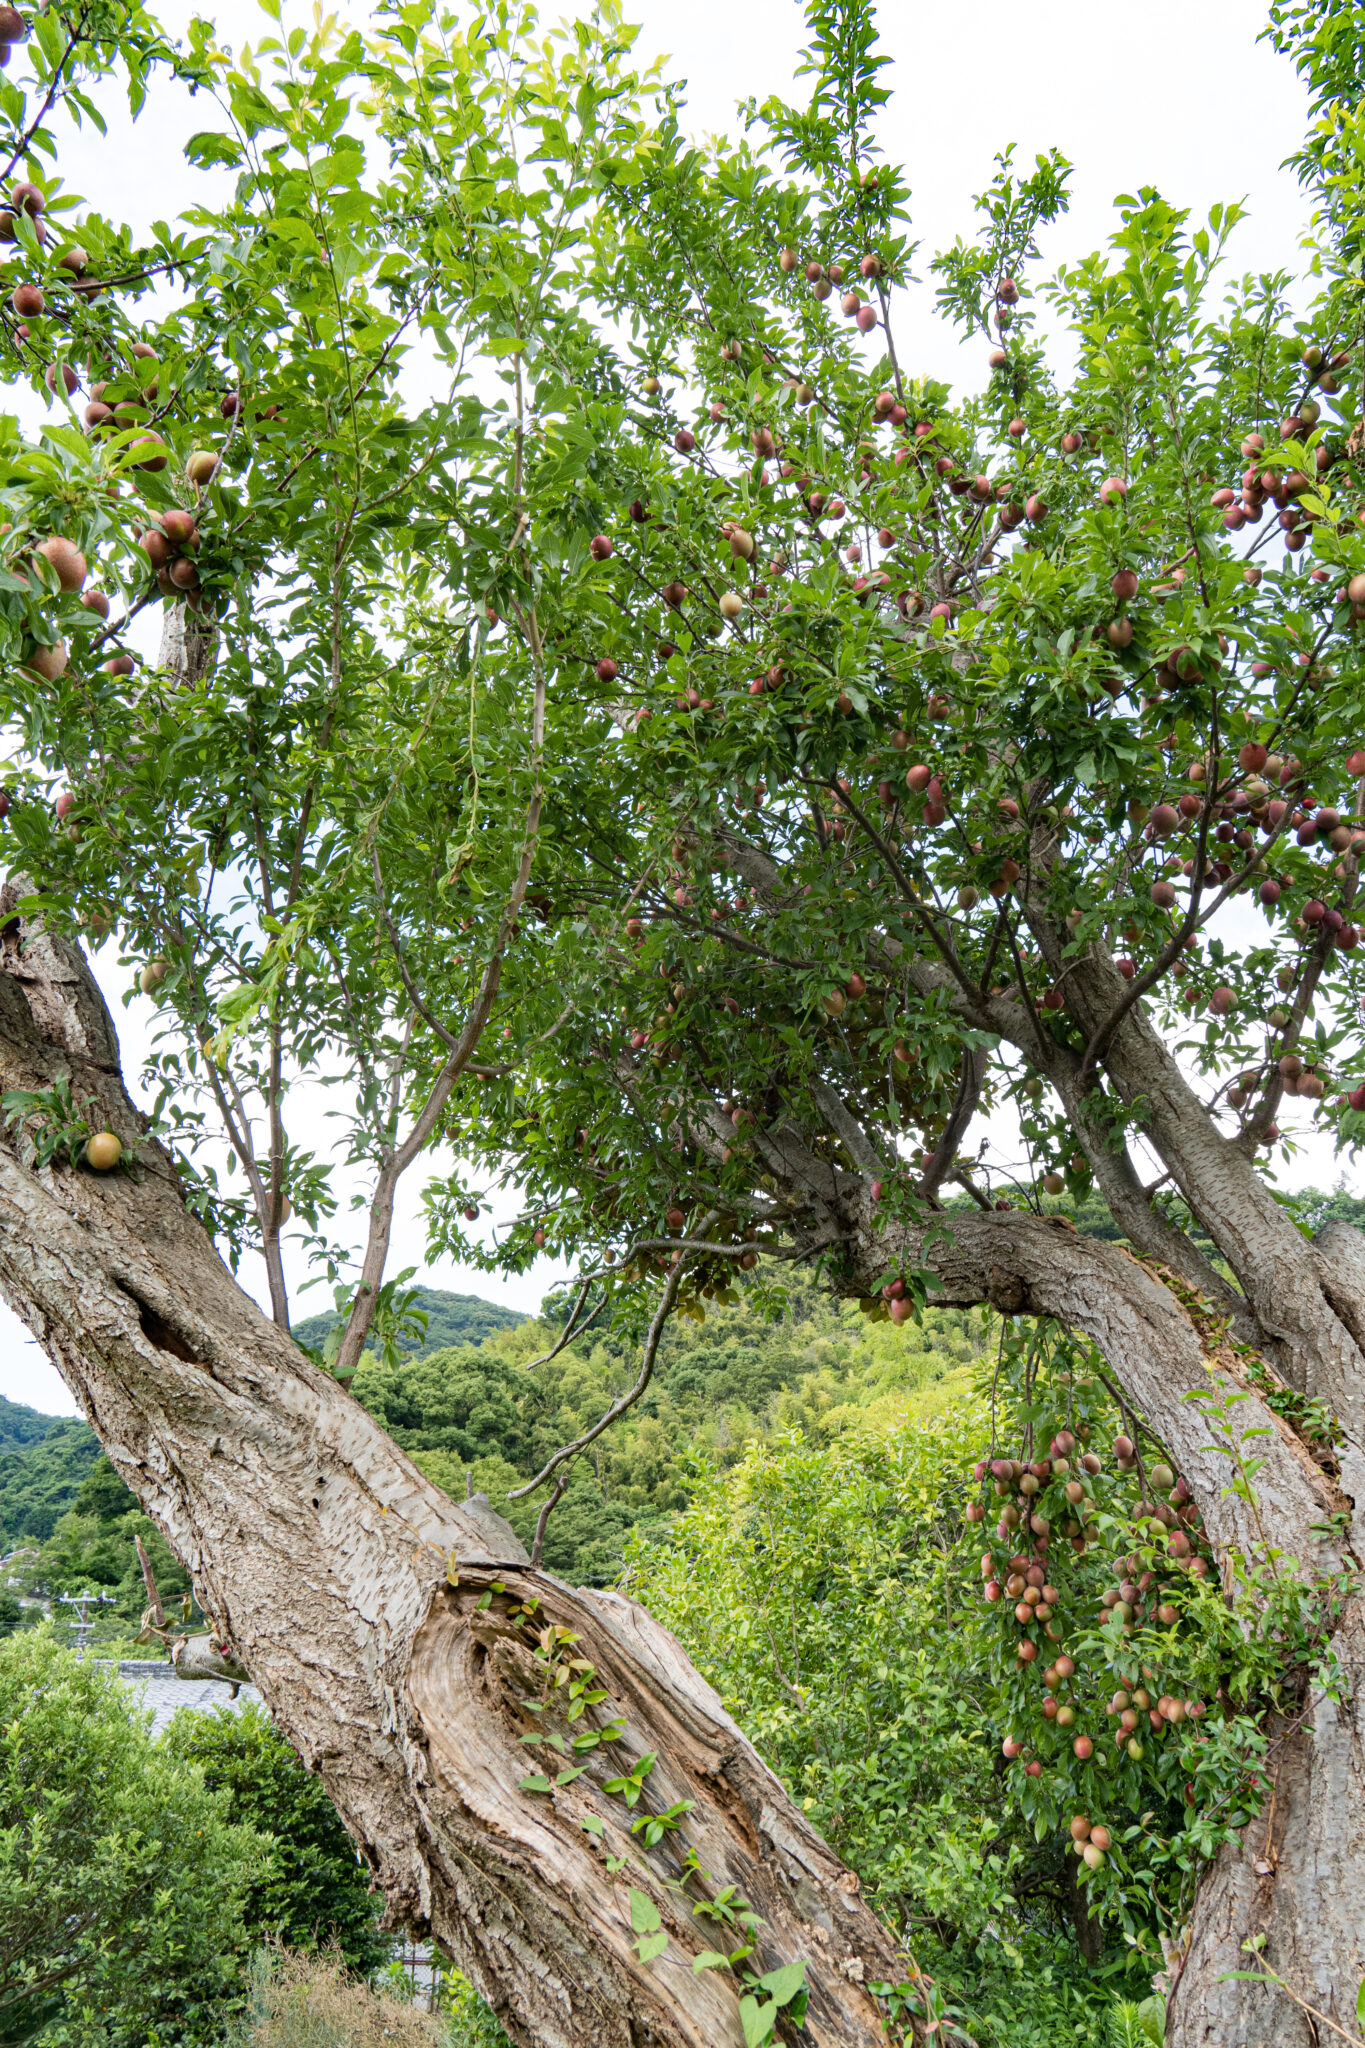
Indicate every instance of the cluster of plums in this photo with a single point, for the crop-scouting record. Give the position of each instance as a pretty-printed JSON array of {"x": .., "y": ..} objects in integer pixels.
[{"x": 1039, "y": 1500}]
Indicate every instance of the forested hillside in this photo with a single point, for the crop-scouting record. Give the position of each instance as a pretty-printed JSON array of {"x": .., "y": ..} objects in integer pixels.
[
  {"x": 449, "y": 1319},
  {"x": 20, "y": 1425},
  {"x": 718, "y": 1386},
  {"x": 41, "y": 1477},
  {"x": 474, "y": 1407}
]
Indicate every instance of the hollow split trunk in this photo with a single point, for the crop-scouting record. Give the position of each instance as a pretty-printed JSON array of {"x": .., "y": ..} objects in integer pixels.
[{"x": 377, "y": 1617}]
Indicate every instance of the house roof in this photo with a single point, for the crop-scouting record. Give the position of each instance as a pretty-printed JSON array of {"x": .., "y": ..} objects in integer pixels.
[{"x": 158, "y": 1690}]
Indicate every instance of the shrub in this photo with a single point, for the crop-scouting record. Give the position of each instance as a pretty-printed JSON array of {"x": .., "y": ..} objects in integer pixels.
[
  {"x": 313, "y": 1891},
  {"x": 471, "y": 2023},
  {"x": 122, "y": 1878}
]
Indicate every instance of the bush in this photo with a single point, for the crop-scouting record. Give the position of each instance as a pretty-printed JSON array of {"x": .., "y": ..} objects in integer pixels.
[
  {"x": 470, "y": 2023},
  {"x": 313, "y": 1891},
  {"x": 122, "y": 1879}
]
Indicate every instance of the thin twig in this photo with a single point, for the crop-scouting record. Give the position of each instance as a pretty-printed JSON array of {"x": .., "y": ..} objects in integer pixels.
[
  {"x": 1269, "y": 1976},
  {"x": 632, "y": 1395},
  {"x": 551, "y": 1504},
  {"x": 573, "y": 1328}
]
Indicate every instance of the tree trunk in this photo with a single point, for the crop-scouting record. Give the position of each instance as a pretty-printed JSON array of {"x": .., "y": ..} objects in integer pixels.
[
  {"x": 378, "y": 1618},
  {"x": 1297, "y": 1878},
  {"x": 1089, "y": 1929},
  {"x": 1309, "y": 1307}
]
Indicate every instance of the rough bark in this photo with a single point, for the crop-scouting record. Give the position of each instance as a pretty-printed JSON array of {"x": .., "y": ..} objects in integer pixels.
[
  {"x": 1295, "y": 1878},
  {"x": 353, "y": 1591}
]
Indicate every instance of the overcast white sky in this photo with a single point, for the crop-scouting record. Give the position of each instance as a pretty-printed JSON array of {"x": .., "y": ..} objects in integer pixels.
[{"x": 1178, "y": 96}]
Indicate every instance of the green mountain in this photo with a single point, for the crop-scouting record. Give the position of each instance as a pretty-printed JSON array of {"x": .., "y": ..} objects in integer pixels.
[
  {"x": 451, "y": 1319},
  {"x": 20, "y": 1425},
  {"x": 40, "y": 1478}
]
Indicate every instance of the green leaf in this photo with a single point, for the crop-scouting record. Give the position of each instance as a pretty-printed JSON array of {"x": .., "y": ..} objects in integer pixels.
[
  {"x": 536, "y": 1784},
  {"x": 757, "y": 2020},
  {"x": 710, "y": 1959},
  {"x": 1152, "y": 2018},
  {"x": 784, "y": 1984},
  {"x": 651, "y": 1945},
  {"x": 644, "y": 1914},
  {"x": 210, "y": 148}
]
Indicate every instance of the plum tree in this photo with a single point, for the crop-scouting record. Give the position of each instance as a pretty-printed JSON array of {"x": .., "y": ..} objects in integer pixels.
[{"x": 695, "y": 776}]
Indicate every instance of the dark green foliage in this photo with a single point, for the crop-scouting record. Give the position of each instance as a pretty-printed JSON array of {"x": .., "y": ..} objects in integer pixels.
[
  {"x": 121, "y": 1878},
  {"x": 40, "y": 1481},
  {"x": 451, "y": 1319},
  {"x": 11, "y": 1613},
  {"x": 104, "y": 1495},
  {"x": 313, "y": 1890},
  {"x": 20, "y": 1425},
  {"x": 463, "y": 1400},
  {"x": 1313, "y": 1208}
]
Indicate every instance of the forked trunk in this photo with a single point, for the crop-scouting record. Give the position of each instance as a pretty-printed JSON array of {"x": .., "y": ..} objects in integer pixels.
[{"x": 377, "y": 1618}]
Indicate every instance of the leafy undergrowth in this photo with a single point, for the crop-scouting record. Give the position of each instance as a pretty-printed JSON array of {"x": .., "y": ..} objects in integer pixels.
[{"x": 820, "y": 1587}]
